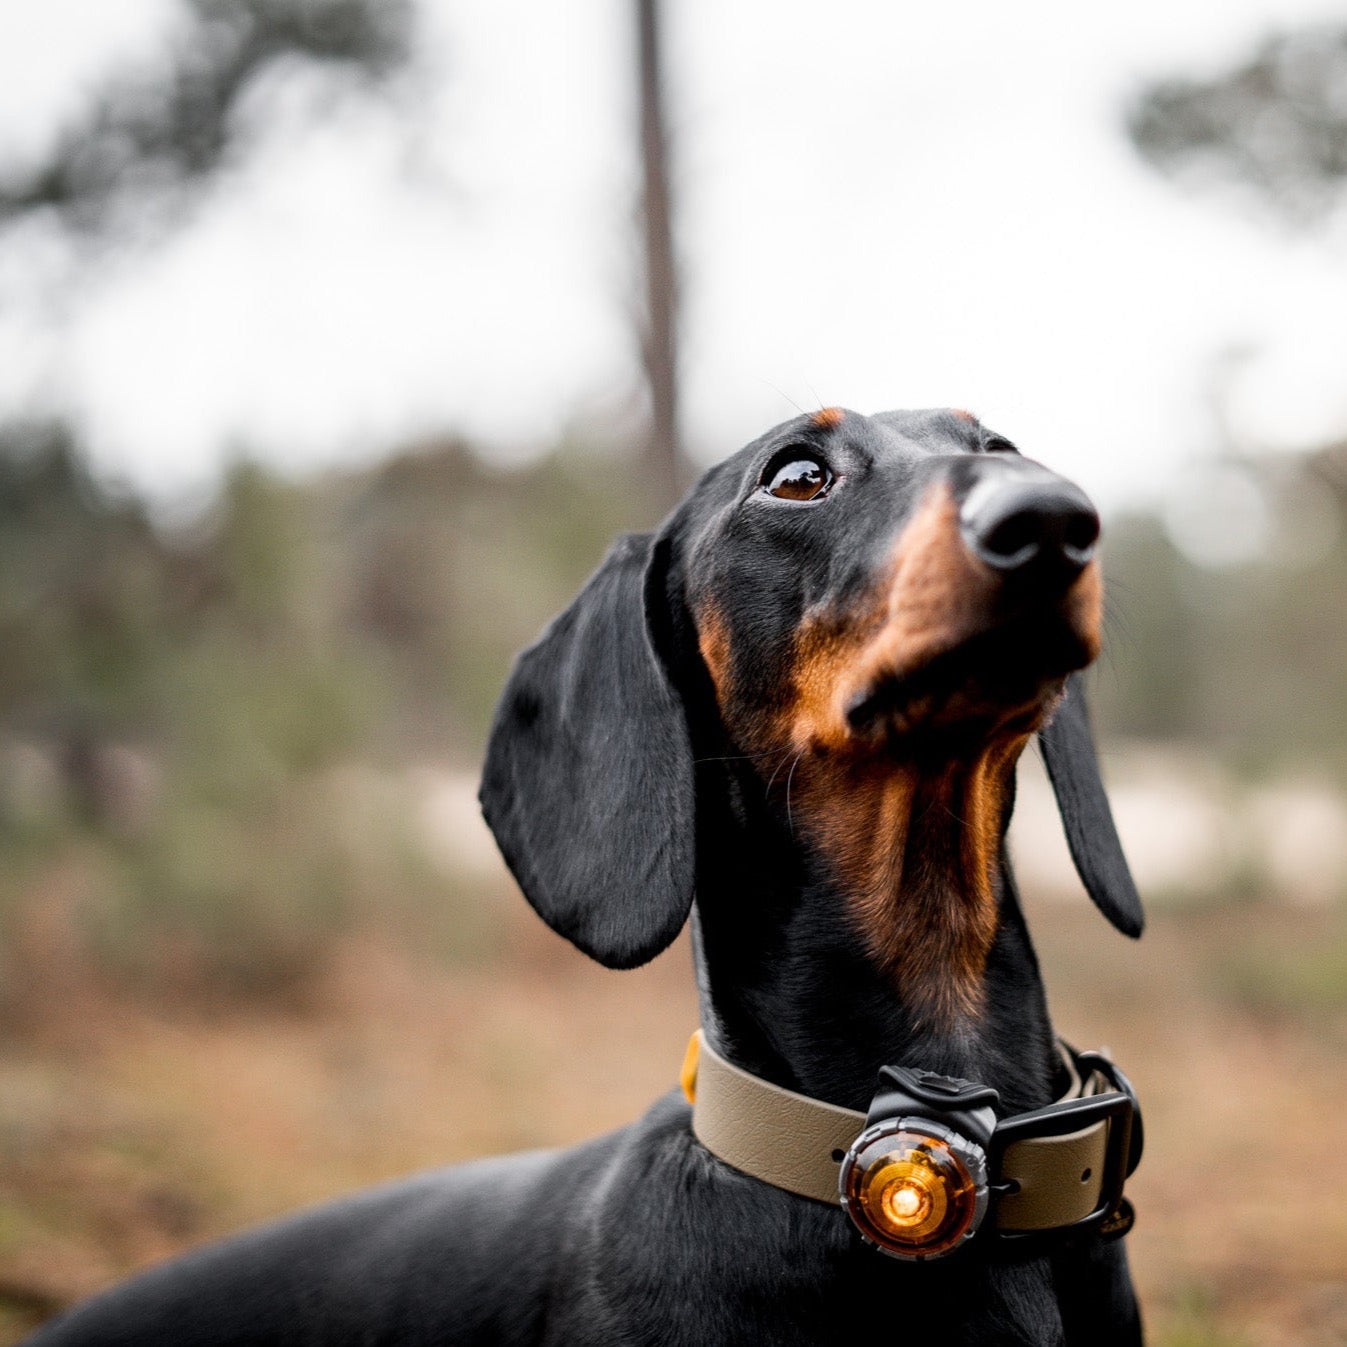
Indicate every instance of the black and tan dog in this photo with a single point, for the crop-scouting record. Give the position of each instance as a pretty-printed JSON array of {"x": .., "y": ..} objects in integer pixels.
[{"x": 795, "y": 713}]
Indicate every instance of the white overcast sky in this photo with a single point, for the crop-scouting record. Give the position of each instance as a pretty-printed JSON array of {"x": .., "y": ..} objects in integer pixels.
[{"x": 884, "y": 205}]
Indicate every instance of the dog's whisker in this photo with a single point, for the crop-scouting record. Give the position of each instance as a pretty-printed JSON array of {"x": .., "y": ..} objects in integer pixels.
[
  {"x": 780, "y": 762},
  {"x": 736, "y": 757},
  {"x": 790, "y": 776},
  {"x": 781, "y": 393}
]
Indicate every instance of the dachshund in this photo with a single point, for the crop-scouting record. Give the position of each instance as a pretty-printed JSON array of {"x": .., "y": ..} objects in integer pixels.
[{"x": 792, "y": 716}]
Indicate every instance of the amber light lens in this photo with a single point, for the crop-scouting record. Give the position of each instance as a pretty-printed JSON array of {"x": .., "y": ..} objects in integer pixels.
[{"x": 911, "y": 1194}]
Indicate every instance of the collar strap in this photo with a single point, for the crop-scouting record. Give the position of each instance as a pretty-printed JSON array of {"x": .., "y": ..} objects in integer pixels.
[{"x": 1053, "y": 1170}]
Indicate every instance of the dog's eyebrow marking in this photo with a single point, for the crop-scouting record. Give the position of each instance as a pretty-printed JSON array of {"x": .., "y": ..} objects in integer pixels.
[
  {"x": 828, "y": 417},
  {"x": 964, "y": 415}
]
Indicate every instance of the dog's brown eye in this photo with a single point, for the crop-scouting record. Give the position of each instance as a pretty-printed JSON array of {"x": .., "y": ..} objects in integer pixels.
[{"x": 799, "y": 479}]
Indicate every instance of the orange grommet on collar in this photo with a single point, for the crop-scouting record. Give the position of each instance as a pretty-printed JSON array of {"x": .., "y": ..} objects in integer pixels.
[{"x": 687, "y": 1077}]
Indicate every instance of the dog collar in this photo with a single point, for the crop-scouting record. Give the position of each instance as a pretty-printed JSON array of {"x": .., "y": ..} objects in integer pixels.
[{"x": 930, "y": 1165}]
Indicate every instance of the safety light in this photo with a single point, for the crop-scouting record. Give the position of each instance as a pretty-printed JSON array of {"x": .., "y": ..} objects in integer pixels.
[{"x": 914, "y": 1188}]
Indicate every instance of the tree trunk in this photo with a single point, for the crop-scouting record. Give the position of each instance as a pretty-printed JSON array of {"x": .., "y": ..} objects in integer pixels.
[{"x": 659, "y": 335}]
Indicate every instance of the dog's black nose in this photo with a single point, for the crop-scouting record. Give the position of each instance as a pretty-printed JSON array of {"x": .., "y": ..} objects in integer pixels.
[{"x": 1030, "y": 523}]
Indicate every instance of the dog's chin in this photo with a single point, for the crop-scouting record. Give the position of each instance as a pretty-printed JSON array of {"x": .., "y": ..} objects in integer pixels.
[{"x": 998, "y": 683}]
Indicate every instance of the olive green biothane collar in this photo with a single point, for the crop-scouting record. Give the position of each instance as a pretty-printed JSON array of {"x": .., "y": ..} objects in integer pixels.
[{"x": 1056, "y": 1170}]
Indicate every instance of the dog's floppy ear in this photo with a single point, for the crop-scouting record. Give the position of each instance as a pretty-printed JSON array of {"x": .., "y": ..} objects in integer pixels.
[
  {"x": 588, "y": 777},
  {"x": 1073, "y": 768}
]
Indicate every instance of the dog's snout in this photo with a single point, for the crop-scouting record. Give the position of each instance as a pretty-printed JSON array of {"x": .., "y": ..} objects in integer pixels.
[{"x": 1022, "y": 524}]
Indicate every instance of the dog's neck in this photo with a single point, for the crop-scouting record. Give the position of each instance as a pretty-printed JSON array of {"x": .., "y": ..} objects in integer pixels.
[
  {"x": 914, "y": 846},
  {"x": 797, "y": 987}
]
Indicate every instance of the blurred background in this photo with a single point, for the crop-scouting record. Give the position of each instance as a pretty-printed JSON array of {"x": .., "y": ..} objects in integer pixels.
[{"x": 338, "y": 337}]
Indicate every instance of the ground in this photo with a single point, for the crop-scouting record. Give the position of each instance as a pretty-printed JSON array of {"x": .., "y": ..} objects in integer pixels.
[{"x": 128, "y": 1132}]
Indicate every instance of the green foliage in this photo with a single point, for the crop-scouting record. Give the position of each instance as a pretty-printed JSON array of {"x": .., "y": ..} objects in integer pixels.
[
  {"x": 1275, "y": 123},
  {"x": 1195, "y": 1322},
  {"x": 179, "y": 708},
  {"x": 450, "y": 567},
  {"x": 80, "y": 609},
  {"x": 154, "y": 137},
  {"x": 1146, "y": 685},
  {"x": 1245, "y": 661},
  {"x": 1304, "y": 980}
]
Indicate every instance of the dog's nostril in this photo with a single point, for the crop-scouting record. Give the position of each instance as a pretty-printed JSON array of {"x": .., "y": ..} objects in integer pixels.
[
  {"x": 1082, "y": 532},
  {"x": 1030, "y": 525},
  {"x": 1012, "y": 541}
]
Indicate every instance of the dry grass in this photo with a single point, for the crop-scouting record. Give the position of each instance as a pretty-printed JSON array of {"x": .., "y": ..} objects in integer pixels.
[{"x": 127, "y": 1133}]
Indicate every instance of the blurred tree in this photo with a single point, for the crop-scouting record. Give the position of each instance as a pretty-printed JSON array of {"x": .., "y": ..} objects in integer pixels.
[
  {"x": 1259, "y": 651},
  {"x": 82, "y": 610},
  {"x": 1276, "y": 123},
  {"x": 153, "y": 138},
  {"x": 156, "y": 136},
  {"x": 659, "y": 333}
]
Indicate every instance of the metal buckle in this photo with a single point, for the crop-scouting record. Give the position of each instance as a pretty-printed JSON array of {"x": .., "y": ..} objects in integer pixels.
[
  {"x": 1097, "y": 1061},
  {"x": 1110, "y": 1217}
]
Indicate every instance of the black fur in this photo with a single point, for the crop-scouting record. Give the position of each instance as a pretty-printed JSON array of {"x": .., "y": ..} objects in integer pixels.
[
  {"x": 615, "y": 783},
  {"x": 570, "y": 781},
  {"x": 1068, "y": 751}
]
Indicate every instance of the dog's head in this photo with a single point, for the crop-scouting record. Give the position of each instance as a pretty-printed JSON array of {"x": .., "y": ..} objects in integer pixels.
[{"x": 857, "y": 607}]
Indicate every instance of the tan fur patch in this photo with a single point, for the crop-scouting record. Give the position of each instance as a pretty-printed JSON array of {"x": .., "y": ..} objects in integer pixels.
[
  {"x": 828, "y": 417},
  {"x": 713, "y": 641},
  {"x": 1085, "y": 607},
  {"x": 917, "y": 858},
  {"x": 938, "y": 596}
]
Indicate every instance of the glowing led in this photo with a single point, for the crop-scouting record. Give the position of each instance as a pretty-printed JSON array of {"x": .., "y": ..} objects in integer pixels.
[
  {"x": 905, "y": 1203},
  {"x": 911, "y": 1191}
]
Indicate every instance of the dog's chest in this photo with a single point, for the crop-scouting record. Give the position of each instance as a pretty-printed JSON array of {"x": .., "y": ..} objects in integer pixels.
[{"x": 682, "y": 1250}]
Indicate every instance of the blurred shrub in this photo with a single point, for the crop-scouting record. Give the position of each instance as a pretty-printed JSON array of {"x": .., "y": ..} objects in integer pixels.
[
  {"x": 202, "y": 729},
  {"x": 1293, "y": 976},
  {"x": 1195, "y": 1322},
  {"x": 155, "y": 134},
  {"x": 1275, "y": 123},
  {"x": 1243, "y": 660}
]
